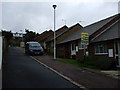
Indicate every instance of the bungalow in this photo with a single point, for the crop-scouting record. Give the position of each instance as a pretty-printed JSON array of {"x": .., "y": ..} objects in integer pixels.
[
  {"x": 50, "y": 42},
  {"x": 104, "y": 40},
  {"x": 43, "y": 37},
  {"x": 65, "y": 33}
]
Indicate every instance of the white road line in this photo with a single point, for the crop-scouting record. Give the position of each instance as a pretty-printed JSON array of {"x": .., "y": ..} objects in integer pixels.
[{"x": 75, "y": 83}]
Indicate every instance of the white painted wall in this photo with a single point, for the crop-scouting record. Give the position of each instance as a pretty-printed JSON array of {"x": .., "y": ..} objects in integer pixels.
[
  {"x": 0, "y": 52},
  {"x": 0, "y": 45}
]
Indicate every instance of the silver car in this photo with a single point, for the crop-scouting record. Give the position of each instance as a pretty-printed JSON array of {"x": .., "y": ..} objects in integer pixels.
[{"x": 33, "y": 48}]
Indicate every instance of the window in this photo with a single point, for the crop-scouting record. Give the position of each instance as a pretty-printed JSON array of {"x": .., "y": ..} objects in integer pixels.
[
  {"x": 100, "y": 49},
  {"x": 34, "y": 45}
]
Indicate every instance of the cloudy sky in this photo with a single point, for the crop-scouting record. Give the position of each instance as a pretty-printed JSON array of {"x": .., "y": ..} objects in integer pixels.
[{"x": 38, "y": 16}]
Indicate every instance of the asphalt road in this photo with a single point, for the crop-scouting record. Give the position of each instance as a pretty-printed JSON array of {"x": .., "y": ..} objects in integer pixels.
[{"x": 21, "y": 71}]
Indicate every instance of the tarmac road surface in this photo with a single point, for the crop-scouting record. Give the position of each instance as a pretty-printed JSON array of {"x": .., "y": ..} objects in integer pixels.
[{"x": 21, "y": 71}]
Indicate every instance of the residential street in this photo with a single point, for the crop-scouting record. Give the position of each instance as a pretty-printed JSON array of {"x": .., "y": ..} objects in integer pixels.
[
  {"x": 60, "y": 45},
  {"x": 21, "y": 71}
]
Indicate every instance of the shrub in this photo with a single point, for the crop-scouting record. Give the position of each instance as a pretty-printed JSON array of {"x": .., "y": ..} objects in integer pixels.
[{"x": 100, "y": 62}]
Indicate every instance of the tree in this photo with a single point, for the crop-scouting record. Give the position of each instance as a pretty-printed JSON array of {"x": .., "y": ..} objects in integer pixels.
[
  {"x": 7, "y": 38},
  {"x": 30, "y": 35},
  {"x": 7, "y": 34}
]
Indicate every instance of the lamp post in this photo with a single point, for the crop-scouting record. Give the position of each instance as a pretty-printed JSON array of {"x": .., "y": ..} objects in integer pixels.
[{"x": 54, "y": 6}]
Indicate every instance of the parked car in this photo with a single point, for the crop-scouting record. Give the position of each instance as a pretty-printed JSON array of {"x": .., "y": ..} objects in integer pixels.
[{"x": 33, "y": 48}]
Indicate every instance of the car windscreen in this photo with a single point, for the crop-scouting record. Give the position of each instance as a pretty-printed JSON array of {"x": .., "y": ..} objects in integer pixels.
[{"x": 34, "y": 45}]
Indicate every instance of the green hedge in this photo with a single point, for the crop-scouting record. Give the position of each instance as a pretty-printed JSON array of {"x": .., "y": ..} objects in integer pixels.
[{"x": 100, "y": 62}]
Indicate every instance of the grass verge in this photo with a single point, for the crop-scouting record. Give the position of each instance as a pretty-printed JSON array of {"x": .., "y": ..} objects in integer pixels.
[{"x": 76, "y": 63}]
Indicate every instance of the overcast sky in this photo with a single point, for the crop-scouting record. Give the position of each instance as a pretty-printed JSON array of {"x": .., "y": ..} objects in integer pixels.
[{"x": 38, "y": 16}]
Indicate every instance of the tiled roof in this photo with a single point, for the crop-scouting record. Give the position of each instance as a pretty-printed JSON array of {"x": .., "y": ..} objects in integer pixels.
[
  {"x": 43, "y": 35},
  {"x": 69, "y": 29},
  {"x": 88, "y": 29},
  {"x": 61, "y": 30},
  {"x": 112, "y": 32},
  {"x": 58, "y": 32}
]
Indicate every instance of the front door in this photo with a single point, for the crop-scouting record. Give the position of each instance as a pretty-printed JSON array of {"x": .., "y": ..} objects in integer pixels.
[
  {"x": 73, "y": 51},
  {"x": 117, "y": 53}
]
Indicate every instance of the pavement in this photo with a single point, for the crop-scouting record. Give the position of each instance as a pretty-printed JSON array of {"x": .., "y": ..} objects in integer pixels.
[
  {"x": 89, "y": 78},
  {"x": 112, "y": 73}
]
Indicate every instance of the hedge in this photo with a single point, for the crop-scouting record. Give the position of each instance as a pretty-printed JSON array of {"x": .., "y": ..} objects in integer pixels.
[{"x": 100, "y": 62}]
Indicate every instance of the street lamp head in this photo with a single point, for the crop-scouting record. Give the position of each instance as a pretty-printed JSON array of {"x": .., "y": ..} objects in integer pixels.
[{"x": 54, "y": 6}]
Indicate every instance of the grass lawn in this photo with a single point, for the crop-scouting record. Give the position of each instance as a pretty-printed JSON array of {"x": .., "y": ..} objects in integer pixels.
[{"x": 76, "y": 63}]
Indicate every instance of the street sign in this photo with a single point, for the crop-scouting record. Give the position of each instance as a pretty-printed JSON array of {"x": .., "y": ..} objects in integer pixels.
[
  {"x": 85, "y": 42},
  {"x": 84, "y": 38}
]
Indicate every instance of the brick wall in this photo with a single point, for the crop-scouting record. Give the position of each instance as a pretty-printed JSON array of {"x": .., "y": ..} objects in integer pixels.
[
  {"x": 64, "y": 50},
  {"x": 110, "y": 45},
  {"x": 60, "y": 51},
  {"x": 79, "y": 53}
]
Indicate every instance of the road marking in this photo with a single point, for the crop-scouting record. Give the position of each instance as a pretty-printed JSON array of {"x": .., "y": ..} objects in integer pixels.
[{"x": 65, "y": 77}]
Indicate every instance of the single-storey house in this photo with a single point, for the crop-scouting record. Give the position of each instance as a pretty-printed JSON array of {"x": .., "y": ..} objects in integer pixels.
[
  {"x": 50, "y": 40},
  {"x": 43, "y": 37},
  {"x": 65, "y": 33},
  {"x": 104, "y": 40}
]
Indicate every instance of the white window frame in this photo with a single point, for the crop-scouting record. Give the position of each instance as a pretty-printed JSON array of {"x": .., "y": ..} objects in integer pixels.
[
  {"x": 99, "y": 52},
  {"x": 73, "y": 49}
]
